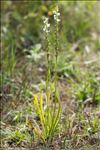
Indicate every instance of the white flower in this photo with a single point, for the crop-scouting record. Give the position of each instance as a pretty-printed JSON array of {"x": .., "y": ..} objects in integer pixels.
[
  {"x": 46, "y": 30},
  {"x": 46, "y": 25},
  {"x": 45, "y": 20},
  {"x": 56, "y": 16}
]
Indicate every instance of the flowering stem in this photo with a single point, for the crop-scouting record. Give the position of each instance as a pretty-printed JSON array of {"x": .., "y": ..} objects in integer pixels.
[{"x": 56, "y": 56}]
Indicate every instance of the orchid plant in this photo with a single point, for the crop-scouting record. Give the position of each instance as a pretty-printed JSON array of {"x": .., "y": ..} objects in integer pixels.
[{"x": 50, "y": 115}]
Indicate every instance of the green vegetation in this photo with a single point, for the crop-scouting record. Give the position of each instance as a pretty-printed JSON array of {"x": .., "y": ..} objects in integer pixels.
[
  {"x": 88, "y": 90},
  {"x": 50, "y": 75}
]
